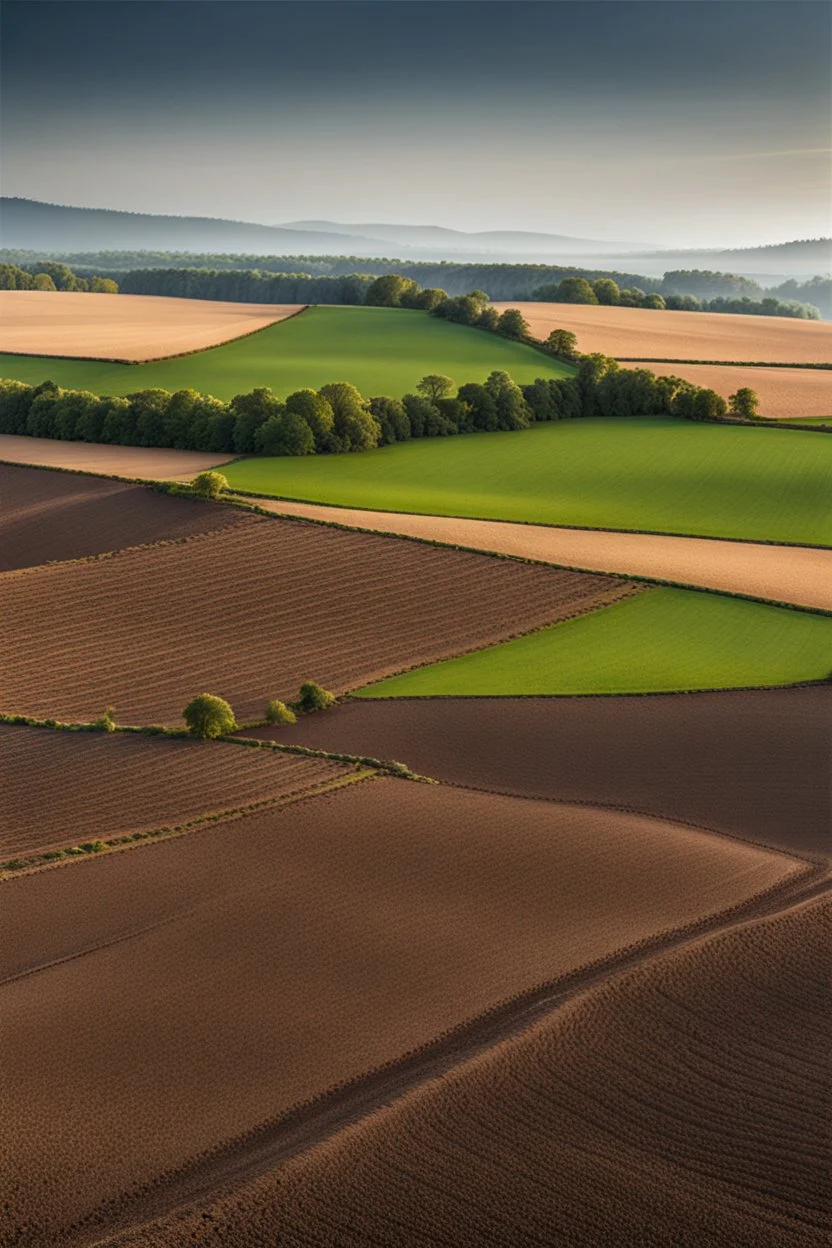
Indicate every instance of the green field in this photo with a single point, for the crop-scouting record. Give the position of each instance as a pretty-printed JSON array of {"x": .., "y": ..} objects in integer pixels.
[
  {"x": 668, "y": 476},
  {"x": 661, "y": 640},
  {"x": 379, "y": 350}
]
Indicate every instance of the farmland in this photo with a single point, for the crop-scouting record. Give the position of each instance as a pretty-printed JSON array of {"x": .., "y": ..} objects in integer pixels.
[
  {"x": 150, "y": 463},
  {"x": 665, "y": 639},
  {"x": 685, "y": 1093},
  {"x": 200, "y": 1015},
  {"x": 379, "y": 350},
  {"x": 662, "y": 476},
  {"x": 250, "y": 612},
  {"x": 47, "y": 777},
  {"x": 131, "y": 329},
  {"x": 647, "y": 334},
  {"x": 784, "y": 393}
]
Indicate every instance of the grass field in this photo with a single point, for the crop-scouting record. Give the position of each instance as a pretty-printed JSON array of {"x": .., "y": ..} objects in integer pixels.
[
  {"x": 664, "y": 639},
  {"x": 662, "y": 475},
  {"x": 379, "y": 350}
]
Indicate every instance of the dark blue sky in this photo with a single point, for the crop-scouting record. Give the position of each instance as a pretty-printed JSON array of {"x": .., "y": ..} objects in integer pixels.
[{"x": 668, "y": 122}]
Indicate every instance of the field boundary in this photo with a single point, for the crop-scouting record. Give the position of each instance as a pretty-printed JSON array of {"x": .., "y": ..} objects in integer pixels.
[
  {"x": 155, "y": 359},
  {"x": 642, "y": 693},
  {"x": 245, "y": 1157},
  {"x": 655, "y": 359}
]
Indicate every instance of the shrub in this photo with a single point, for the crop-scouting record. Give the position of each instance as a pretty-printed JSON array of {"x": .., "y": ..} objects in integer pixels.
[
  {"x": 314, "y": 698},
  {"x": 279, "y": 713},
  {"x": 106, "y": 723},
  {"x": 745, "y": 403},
  {"x": 209, "y": 484},
  {"x": 208, "y": 716}
]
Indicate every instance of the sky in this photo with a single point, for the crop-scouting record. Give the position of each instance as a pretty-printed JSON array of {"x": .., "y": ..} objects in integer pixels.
[{"x": 672, "y": 123}]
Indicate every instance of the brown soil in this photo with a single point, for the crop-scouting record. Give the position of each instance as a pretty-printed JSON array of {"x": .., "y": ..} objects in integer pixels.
[
  {"x": 46, "y": 516},
  {"x": 682, "y": 1104},
  {"x": 252, "y": 612},
  {"x": 61, "y": 788},
  {"x": 179, "y": 995},
  {"x": 783, "y": 392},
  {"x": 125, "y": 327},
  {"x": 639, "y": 333},
  {"x": 753, "y": 764},
  {"x": 151, "y": 463},
  {"x": 787, "y": 574}
]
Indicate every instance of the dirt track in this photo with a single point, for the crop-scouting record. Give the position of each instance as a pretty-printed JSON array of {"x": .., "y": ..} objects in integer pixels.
[
  {"x": 46, "y": 516},
  {"x": 152, "y": 464},
  {"x": 185, "y": 992},
  {"x": 252, "y": 612},
  {"x": 643, "y": 334},
  {"x": 785, "y": 573},
  {"x": 784, "y": 393},
  {"x": 47, "y": 779},
  {"x": 680, "y": 1103},
  {"x": 125, "y": 327}
]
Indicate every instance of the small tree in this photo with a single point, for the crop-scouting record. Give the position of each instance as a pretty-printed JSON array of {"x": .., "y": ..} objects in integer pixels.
[
  {"x": 708, "y": 405},
  {"x": 314, "y": 698},
  {"x": 208, "y": 716},
  {"x": 42, "y": 281},
  {"x": 564, "y": 343},
  {"x": 209, "y": 484},
  {"x": 575, "y": 290},
  {"x": 106, "y": 723},
  {"x": 436, "y": 386},
  {"x": 745, "y": 404},
  {"x": 512, "y": 324},
  {"x": 279, "y": 713}
]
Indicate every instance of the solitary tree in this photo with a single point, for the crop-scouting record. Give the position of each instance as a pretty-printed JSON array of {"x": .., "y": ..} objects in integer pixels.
[
  {"x": 436, "y": 386},
  {"x": 106, "y": 723},
  {"x": 208, "y": 716},
  {"x": 745, "y": 403},
  {"x": 279, "y": 713},
  {"x": 563, "y": 342},
  {"x": 314, "y": 698},
  {"x": 209, "y": 484}
]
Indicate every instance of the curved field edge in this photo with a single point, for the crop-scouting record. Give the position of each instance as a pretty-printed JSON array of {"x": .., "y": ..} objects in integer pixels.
[
  {"x": 636, "y": 475},
  {"x": 549, "y": 1124},
  {"x": 663, "y": 641}
]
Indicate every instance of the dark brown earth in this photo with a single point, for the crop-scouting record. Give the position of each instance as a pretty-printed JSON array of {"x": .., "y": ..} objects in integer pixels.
[
  {"x": 46, "y": 516},
  {"x": 754, "y": 764}
]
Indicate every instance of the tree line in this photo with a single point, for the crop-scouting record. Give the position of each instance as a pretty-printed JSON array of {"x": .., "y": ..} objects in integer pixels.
[
  {"x": 50, "y": 275},
  {"x": 338, "y": 418},
  {"x": 606, "y": 291}
]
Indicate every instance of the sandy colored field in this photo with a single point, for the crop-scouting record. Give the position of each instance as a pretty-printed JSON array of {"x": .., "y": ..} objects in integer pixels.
[
  {"x": 62, "y": 788},
  {"x": 251, "y": 612},
  {"x": 151, "y": 463},
  {"x": 130, "y": 328},
  {"x": 47, "y": 516},
  {"x": 683, "y": 1104},
  {"x": 753, "y": 764},
  {"x": 786, "y": 574},
  {"x": 176, "y": 996},
  {"x": 642, "y": 334},
  {"x": 783, "y": 392}
]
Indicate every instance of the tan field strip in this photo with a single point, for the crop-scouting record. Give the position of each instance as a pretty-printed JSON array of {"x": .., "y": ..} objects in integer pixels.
[
  {"x": 641, "y": 333},
  {"x": 131, "y": 328},
  {"x": 785, "y": 393},
  {"x": 797, "y": 574},
  {"x": 161, "y": 1002},
  {"x": 141, "y": 463}
]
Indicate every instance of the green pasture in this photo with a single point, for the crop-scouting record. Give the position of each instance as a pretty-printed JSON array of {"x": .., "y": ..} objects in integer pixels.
[
  {"x": 661, "y": 475},
  {"x": 379, "y": 350},
  {"x": 661, "y": 640}
]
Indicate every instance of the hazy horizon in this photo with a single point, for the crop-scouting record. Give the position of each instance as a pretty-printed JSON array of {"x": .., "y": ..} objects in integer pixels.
[{"x": 680, "y": 125}]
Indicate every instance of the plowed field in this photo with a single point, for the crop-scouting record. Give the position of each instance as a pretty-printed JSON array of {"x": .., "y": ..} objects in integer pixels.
[
  {"x": 121, "y": 461},
  {"x": 750, "y": 763},
  {"x": 125, "y": 327},
  {"x": 783, "y": 392},
  {"x": 178, "y": 996},
  {"x": 643, "y": 334},
  {"x": 684, "y": 1105},
  {"x": 62, "y": 788},
  {"x": 251, "y": 612},
  {"x": 47, "y": 516}
]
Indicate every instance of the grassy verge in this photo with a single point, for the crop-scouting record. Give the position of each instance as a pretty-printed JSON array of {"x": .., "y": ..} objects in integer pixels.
[{"x": 664, "y": 640}]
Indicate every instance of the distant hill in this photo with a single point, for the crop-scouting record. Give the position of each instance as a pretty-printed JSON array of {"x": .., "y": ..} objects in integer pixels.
[
  {"x": 436, "y": 239},
  {"x": 806, "y": 257}
]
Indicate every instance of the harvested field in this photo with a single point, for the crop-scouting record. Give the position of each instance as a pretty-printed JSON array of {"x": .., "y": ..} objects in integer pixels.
[
  {"x": 251, "y": 612},
  {"x": 796, "y": 574},
  {"x": 47, "y": 779},
  {"x": 179, "y": 995},
  {"x": 47, "y": 516},
  {"x": 784, "y": 392},
  {"x": 682, "y": 1104},
  {"x": 129, "y": 328},
  {"x": 122, "y": 461},
  {"x": 644, "y": 334},
  {"x": 750, "y": 763}
]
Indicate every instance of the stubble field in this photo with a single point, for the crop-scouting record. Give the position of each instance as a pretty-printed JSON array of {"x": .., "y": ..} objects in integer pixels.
[
  {"x": 784, "y": 393},
  {"x": 150, "y": 463}
]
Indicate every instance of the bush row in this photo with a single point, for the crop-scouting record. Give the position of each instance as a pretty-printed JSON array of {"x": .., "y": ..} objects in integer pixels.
[
  {"x": 606, "y": 291},
  {"x": 49, "y": 275}
]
